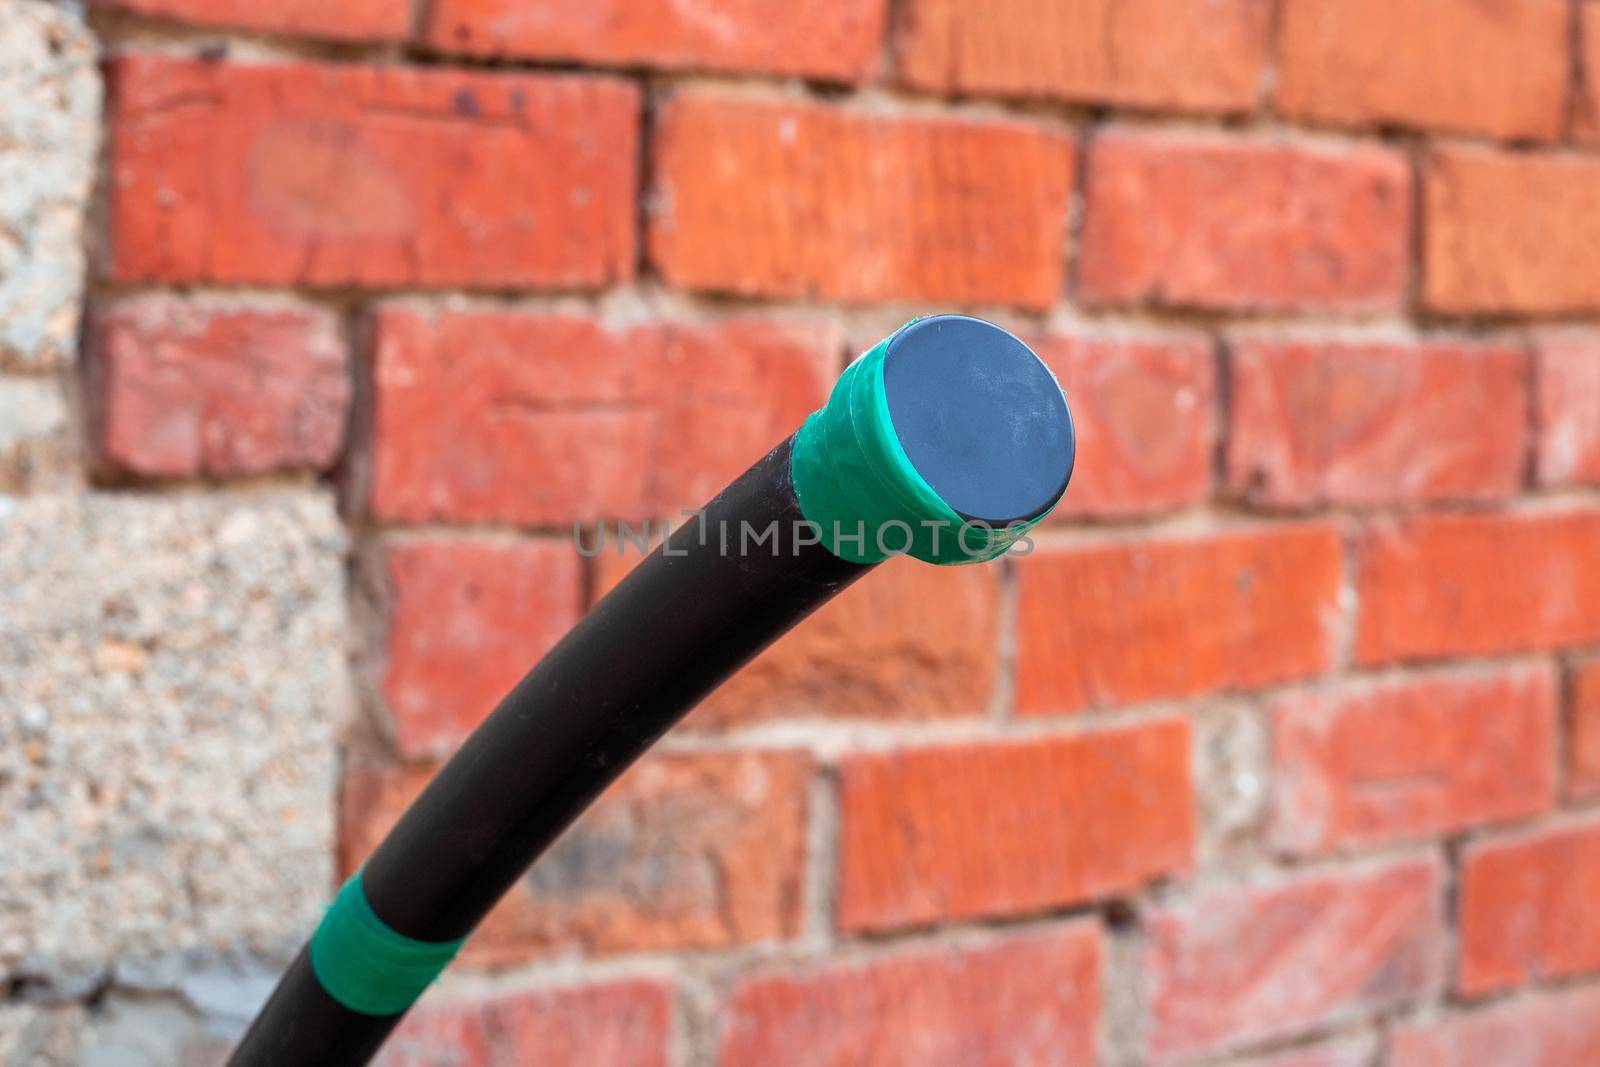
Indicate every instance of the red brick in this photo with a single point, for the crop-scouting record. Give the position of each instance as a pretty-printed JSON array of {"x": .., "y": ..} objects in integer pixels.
[
  {"x": 621, "y": 1024},
  {"x": 1527, "y": 909},
  {"x": 1004, "y": 829},
  {"x": 1367, "y": 764},
  {"x": 1557, "y": 1030},
  {"x": 546, "y": 419},
  {"x": 1510, "y": 233},
  {"x": 1198, "y": 55},
  {"x": 1474, "y": 584},
  {"x": 1583, "y": 746},
  {"x": 1317, "y": 422},
  {"x": 333, "y": 175},
  {"x": 1025, "y": 1001},
  {"x": 347, "y": 20},
  {"x": 1569, "y": 398},
  {"x": 837, "y": 40},
  {"x": 180, "y": 389},
  {"x": 466, "y": 621},
  {"x": 687, "y": 851},
  {"x": 1143, "y": 409},
  {"x": 1462, "y": 65},
  {"x": 909, "y": 643},
  {"x": 1212, "y": 221},
  {"x": 1126, "y": 622},
  {"x": 1243, "y": 965},
  {"x": 1586, "y": 102},
  {"x": 787, "y": 199}
]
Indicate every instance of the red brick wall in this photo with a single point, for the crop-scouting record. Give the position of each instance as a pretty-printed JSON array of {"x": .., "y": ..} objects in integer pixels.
[{"x": 1282, "y": 746}]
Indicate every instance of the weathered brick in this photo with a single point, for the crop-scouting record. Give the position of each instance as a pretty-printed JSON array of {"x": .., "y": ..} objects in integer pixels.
[
  {"x": 1527, "y": 909},
  {"x": 1555, "y": 1030},
  {"x": 699, "y": 850},
  {"x": 838, "y": 40},
  {"x": 181, "y": 388},
  {"x": 1144, "y": 412},
  {"x": 1223, "y": 222},
  {"x": 620, "y": 1024},
  {"x": 914, "y": 642},
  {"x": 1569, "y": 398},
  {"x": 787, "y": 199},
  {"x": 1146, "y": 620},
  {"x": 347, "y": 20},
  {"x": 547, "y": 419},
  {"x": 331, "y": 175},
  {"x": 1586, "y": 94},
  {"x": 1199, "y": 55},
  {"x": 1474, "y": 584},
  {"x": 466, "y": 621},
  {"x": 1583, "y": 745},
  {"x": 1365, "y": 764},
  {"x": 1316, "y": 422},
  {"x": 1027, "y": 1001},
  {"x": 1510, "y": 233},
  {"x": 1243, "y": 965},
  {"x": 1495, "y": 69},
  {"x": 1003, "y": 829}
]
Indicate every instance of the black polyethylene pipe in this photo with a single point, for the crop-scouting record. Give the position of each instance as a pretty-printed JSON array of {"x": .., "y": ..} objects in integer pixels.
[{"x": 982, "y": 424}]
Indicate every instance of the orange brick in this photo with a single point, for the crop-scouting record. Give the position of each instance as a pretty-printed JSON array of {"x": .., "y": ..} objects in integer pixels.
[
  {"x": 1527, "y": 909},
  {"x": 1478, "y": 584},
  {"x": 1198, "y": 55},
  {"x": 347, "y": 20},
  {"x": 1144, "y": 412},
  {"x": 1583, "y": 746},
  {"x": 1495, "y": 69},
  {"x": 1569, "y": 398},
  {"x": 1028, "y": 1001},
  {"x": 1370, "y": 764},
  {"x": 621, "y": 1024},
  {"x": 833, "y": 39},
  {"x": 1127, "y": 622},
  {"x": 910, "y": 642},
  {"x": 1005, "y": 829},
  {"x": 786, "y": 199},
  {"x": 1223, "y": 222},
  {"x": 180, "y": 389},
  {"x": 1555, "y": 1030},
  {"x": 546, "y": 419},
  {"x": 332, "y": 175},
  {"x": 1240, "y": 966},
  {"x": 1510, "y": 233},
  {"x": 1317, "y": 422},
  {"x": 1586, "y": 102},
  {"x": 687, "y": 851},
  {"x": 466, "y": 621}
]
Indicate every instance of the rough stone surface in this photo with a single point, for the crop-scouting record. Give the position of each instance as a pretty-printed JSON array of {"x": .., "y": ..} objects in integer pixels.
[
  {"x": 39, "y": 1035},
  {"x": 172, "y": 683},
  {"x": 49, "y": 128},
  {"x": 36, "y": 448}
]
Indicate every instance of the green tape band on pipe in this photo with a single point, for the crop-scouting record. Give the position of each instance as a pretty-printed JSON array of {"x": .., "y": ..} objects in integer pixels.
[
  {"x": 365, "y": 965},
  {"x": 856, "y": 484}
]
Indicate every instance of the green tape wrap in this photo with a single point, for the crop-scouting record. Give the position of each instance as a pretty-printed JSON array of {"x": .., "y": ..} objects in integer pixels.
[
  {"x": 856, "y": 484},
  {"x": 365, "y": 965}
]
